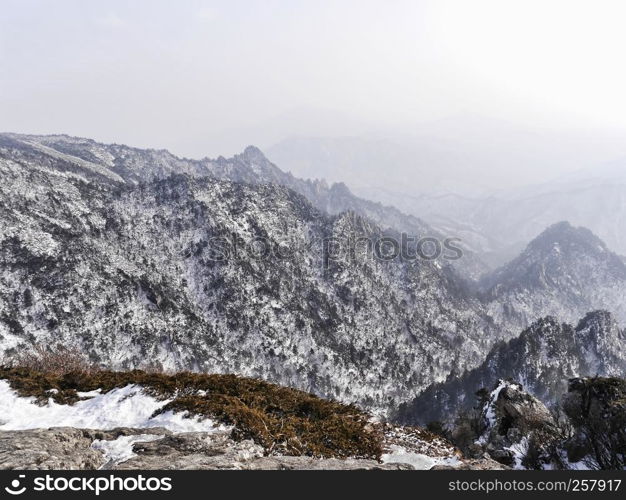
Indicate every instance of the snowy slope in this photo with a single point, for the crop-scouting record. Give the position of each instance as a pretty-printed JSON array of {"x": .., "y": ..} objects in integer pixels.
[
  {"x": 564, "y": 272},
  {"x": 128, "y": 273}
]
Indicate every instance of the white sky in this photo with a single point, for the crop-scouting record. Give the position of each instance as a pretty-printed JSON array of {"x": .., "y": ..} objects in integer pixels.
[{"x": 209, "y": 77}]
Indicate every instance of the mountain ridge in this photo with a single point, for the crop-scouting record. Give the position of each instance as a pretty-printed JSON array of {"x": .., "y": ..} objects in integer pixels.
[
  {"x": 130, "y": 271},
  {"x": 128, "y": 274},
  {"x": 251, "y": 166}
]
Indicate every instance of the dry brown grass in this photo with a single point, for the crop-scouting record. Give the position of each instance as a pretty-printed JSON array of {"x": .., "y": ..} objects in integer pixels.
[{"x": 282, "y": 420}]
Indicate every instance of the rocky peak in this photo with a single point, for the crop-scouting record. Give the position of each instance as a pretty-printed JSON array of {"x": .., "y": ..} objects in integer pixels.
[
  {"x": 340, "y": 189},
  {"x": 253, "y": 154},
  {"x": 563, "y": 239},
  {"x": 558, "y": 255},
  {"x": 512, "y": 417}
]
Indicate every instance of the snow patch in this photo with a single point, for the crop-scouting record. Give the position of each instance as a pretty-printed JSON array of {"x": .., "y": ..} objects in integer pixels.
[
  {"x": 490, "y": 411},
  {"x": 519, "y": 452},
  {"x": 121, "y": 449},
  {"x": 89, "y": 394},
  {"x": 124, "y": 407},
  {"x": 399, "y": 455}
]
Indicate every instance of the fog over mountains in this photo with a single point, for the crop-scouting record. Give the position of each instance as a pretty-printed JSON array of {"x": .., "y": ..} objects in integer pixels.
[
  {"x": 503, "y": 221},
  {"x": 145, "y": 259},
  {"x": 492, "y": 182},
  {"x": 464, "y": 153}
]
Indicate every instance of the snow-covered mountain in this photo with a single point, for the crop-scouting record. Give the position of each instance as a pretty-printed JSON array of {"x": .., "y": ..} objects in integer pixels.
[
  {"x": 564, "y": 272},
  {"x": 145, "y": 259},
  {"x": 134, "y": 272},
  {"x": 114, "y": 162},
  {"x": 542, "y": 358}
]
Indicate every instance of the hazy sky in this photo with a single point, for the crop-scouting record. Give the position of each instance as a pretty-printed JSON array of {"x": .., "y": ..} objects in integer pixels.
[{"x": 208, "y": 77}]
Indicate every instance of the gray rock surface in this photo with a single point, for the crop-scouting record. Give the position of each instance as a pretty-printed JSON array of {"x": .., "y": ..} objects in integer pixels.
[
  {"x": 71, "y": 449},
  {"x": 211, "y": 451},
  {"x": 45, "y": 449}
]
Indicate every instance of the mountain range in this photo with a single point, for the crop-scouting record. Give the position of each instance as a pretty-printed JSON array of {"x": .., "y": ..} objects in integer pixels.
[{"x": 144, "y": 259}]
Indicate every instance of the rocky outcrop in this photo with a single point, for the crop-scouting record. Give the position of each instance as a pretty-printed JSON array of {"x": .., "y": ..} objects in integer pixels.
[
  {"x": 73, "y": 449},
  {"x": 596, "y": 408},
  {"x": 512, "y": 420},
  {"x": 217, "y": 451},
  {"x": 64, "y": 448},
  {"x": 511, "y": 408},
  {"x": 41, "y": 449}
]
